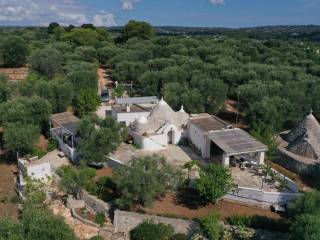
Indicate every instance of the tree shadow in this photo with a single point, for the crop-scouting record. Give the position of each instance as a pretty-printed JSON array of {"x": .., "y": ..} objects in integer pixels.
[{"x": 190, "y": 199}]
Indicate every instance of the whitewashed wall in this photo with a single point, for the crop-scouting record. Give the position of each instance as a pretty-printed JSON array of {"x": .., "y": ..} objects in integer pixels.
[
  {"x": 128, "y": 117},
  {"x": 197, "y": 138},
  {"x": 257, "y": 196}
]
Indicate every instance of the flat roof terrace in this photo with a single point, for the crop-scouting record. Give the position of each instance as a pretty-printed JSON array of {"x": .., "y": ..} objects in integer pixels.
[
  {"x": 134, "y": 108},
  {"x": 137, "y": 100},
  {"x": 207, "y": 122},
  {"x": 66, "y": 120}
]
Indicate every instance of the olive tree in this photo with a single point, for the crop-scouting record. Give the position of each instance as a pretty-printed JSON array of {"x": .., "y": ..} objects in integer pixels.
[
  {"x": 14, "y": 51},
  {"x": 145, "y": 179},
  {"x": 215, "y": 181},
  {"x": 97, "y": 142}
]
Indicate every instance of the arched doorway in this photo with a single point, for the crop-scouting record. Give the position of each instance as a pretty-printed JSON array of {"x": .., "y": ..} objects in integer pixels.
[{"x": 170, "y": 137}]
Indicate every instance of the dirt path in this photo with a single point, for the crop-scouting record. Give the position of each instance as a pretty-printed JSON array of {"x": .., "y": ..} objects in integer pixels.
[
  {"x": 8, "y": 206},
  {"x": 104, "y": 79},
  {"x": 170, "y": 205},
  {"x": 230, "y": 112}
]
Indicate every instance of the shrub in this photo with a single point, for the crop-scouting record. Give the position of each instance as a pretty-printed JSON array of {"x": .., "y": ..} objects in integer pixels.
[
  {"x": 306, "y": 227},
  {"x": 100, "y": 218},
  {"x": 215, "y": 181},
  {"x": 239, "y": 220},
  {"x": 151, "y": 231},
  {"x": 211, "y": 226},
  {"x": 260, "y": 222},
  {"x": 52, "y": 144},
  {"x": 243, "y": 233},
  {"x": 96, "y": 238},
  {"x": 179, "y": 236},
  {"x": 305, "y": 203},
  {"x": 104, "y": 189},
  {"x": 38, "y": 152},
  {"x": 278, "y": 225}
]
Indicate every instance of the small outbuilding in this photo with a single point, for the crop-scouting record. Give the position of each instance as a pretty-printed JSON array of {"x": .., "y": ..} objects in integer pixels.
[
  {"x": 36, "y": 169},
  {"x": 127, "y": 110},
  {"x": 218, "y": 141},
  {"x": 64, "y": 128}
]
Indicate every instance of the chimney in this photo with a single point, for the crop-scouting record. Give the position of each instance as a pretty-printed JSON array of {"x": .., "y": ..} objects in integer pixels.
[{"x": 128, "y": 107}]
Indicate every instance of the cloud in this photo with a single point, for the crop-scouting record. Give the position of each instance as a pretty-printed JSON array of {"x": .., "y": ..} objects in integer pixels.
[
  {"x": 15, "y": 10},
  {"x": 104, "y": 18},
  {"x": 217, "y": 2},
  {"x": 42, "y": 12},
  {"x": 128, "y": 4}
]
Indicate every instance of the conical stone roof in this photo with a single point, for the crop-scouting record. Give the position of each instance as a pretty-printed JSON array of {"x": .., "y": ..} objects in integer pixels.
[
  {"x": 160, "y": 115},
  {"x": 162, "y": 112},
  {"x": 304, "y": 140}
]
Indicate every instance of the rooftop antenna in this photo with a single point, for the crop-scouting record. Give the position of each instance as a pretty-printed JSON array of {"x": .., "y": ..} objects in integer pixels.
[{"x": 238, "y": 103}]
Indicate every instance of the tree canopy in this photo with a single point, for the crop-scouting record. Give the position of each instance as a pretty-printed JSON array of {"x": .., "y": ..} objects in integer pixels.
[
  {"x": 99, "y": 138},
  {"x": 14, "y": 51},
  {"x": 214, "y": 182},
  {"x": 144, "y": 180},
  {"x": 152, "y": 231},
  {"x": 138, "y": 29},
  {"x": 305, "y": 213},
  {"x": 47, "y": 61}
]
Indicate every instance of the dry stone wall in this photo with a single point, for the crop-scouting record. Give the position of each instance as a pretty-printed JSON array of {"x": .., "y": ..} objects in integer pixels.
[
  {"x": 126, "y": 221},
  {"x": 96, "y": 204},
  {"x": 297, "y": 164}
]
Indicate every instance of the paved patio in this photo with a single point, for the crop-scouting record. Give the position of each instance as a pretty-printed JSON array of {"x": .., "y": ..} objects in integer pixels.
[
  {"x": 175, "y": 155},
  {"x": 55, "y": 160},
  {"x": 248, "y": 178}
]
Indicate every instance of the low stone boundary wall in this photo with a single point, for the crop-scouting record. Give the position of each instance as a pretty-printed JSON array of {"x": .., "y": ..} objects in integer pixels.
[
  {"x": 126, "y": 221},
  {"x": 294, "y": 187},
  {"x": 96, "y": 204},
  {"x": 257, "y": 196},
  {"x": 114, "y": 163},
  {"x": 295, "y": 163}
]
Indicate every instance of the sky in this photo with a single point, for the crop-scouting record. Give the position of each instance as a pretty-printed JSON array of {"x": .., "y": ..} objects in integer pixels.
[{"x": 201, "y": 13}]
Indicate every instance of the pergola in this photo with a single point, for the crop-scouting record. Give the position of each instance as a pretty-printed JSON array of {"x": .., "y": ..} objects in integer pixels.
[{"x": 234, "y": 142}]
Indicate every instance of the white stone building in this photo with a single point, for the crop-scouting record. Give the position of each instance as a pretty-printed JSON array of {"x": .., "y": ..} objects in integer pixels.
[
  {"x": 127, "y": 110},
  {"x": 213, "y": 138},
  {"x": 35, "y": 168},
  {"x": 63, "y": 127},
  {"x": 162, "y": 127},
  {"x": 218, "y": 141}
]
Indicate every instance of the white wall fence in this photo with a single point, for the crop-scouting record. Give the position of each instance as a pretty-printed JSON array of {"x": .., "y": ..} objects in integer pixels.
[
  {"x": 294, "y": 187},
  {"x": 257, "y": 196}
]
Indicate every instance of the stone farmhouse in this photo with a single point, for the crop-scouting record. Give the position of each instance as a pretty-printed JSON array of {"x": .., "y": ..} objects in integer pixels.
[
  {"x": 154, "y": 125},
  {"x": 211, "y": 137}
]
